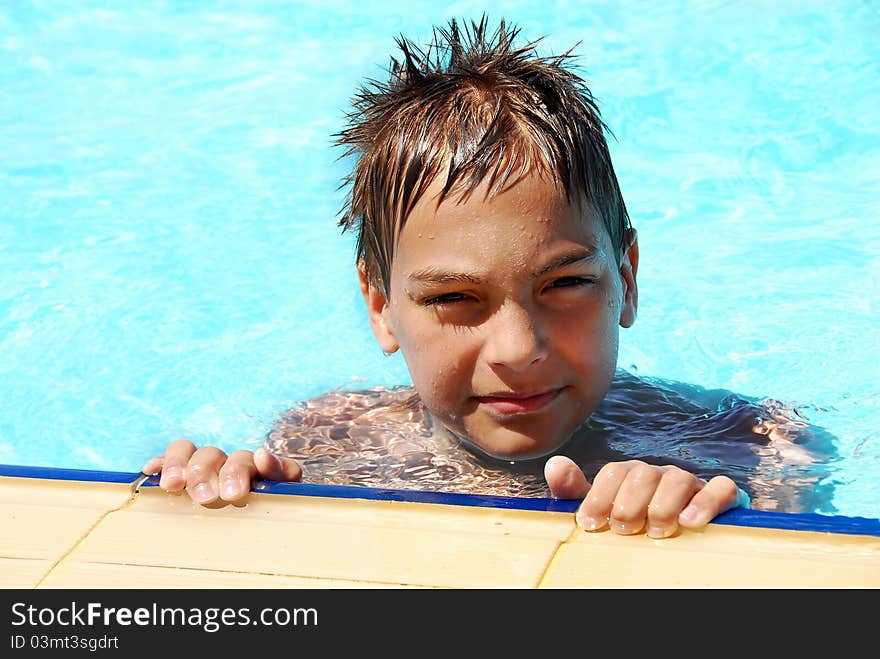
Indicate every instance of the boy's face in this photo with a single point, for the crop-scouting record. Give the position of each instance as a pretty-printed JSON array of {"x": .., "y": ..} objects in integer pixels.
[{"x": 507, "y": 313}]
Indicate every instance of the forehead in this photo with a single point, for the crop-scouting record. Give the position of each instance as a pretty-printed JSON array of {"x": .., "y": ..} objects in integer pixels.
[{"x": 531, "y": 213}]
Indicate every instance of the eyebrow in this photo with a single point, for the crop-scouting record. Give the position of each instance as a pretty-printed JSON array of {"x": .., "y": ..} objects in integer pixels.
[
  {"x": 440, "y": 276},
  {"x": 585, "y": 253},
  {"x": 434, "y": 275}
]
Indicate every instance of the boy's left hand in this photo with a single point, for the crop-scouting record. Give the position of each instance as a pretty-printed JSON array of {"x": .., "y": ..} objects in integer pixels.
[{"x": 633, "y": 495}]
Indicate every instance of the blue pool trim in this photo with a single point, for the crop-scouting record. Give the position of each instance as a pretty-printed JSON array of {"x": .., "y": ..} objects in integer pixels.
[
  {"x": 735, "y": 517},
  {"x": 54, "y": 473},
  {"x": 416, "y": 496},
  {"x": 800, "y": 522}
]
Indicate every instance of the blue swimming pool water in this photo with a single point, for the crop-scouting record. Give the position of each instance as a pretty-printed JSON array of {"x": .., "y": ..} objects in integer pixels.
[{"x": 170, "y": 264}]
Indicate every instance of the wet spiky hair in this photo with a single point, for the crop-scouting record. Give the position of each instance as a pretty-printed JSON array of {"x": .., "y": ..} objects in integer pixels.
[{"x": 473, "y": 108}]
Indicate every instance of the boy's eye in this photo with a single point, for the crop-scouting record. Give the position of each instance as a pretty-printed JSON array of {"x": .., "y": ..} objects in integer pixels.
[
  {"x": 567, "y": 282},
  {"x": 445, "y": 298}
]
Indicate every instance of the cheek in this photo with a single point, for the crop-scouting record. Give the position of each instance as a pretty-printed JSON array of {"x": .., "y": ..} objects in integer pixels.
[
  {"x": 438, "y": 364},
  {"x": 590, "y": 341}
]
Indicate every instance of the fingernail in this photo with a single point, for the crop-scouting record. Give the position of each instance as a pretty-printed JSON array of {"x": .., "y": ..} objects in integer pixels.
[
  {"x": 659, "y": 532},
  {"x": 230, "y": 489},
  {"x": 623, "y": 529},
  {"x": 204, "y": 492},
  {"x": 171, "y": 476},
  {"x": 263, "y": 454},
  {"x": 588, "y": 523},
  {"x": 689, "y": 515}
]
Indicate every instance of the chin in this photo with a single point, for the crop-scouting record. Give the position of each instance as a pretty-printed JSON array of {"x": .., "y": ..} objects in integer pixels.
[{"x": 515, "y": 447}]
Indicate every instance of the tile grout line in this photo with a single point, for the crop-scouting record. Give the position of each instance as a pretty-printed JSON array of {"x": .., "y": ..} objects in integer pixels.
[
  {"x": 542, "y": 579},
  {"x": 268, "y": 574},
  {"x": 135, "y": 488}
]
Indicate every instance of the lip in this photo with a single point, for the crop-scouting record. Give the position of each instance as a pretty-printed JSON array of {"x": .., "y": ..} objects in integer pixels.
[{"x": 510, "y": 403}]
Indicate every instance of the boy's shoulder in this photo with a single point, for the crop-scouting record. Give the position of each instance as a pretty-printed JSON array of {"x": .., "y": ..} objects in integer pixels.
[
  {"x": 674, "y": 394},
  {"x": 355, "y": 407},
  {"x": 688, "y": 419},
  {"x": 343, "y": 422}
]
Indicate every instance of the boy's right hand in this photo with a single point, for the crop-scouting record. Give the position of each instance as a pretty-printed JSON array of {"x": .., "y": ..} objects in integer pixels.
[{"x": 209, "y": 475}]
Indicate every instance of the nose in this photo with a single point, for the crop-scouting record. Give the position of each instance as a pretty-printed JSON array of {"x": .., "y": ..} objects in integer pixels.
[{"x": 515, "y": 338}]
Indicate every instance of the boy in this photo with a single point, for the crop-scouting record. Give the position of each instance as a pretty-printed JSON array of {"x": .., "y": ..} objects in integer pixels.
[{"x": 495, "y": 251}]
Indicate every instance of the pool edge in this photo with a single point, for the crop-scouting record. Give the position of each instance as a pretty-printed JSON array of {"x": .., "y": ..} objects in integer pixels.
[{"x": 812, "y": 522}]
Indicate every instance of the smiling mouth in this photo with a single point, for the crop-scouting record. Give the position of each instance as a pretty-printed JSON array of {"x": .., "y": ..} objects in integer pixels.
[{"x": 513, "y": 403}]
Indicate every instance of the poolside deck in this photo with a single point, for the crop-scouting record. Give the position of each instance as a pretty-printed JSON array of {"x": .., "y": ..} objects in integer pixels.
[{"x": 67, "y": 533}]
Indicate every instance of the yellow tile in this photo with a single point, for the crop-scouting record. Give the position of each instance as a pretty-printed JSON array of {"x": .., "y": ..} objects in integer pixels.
[
  {"x": 71, "y": 494},
  {"x": 65, "y": 534},
  {"x": 22, "y": 572},
  {"x": 366, "y": 512},
  {"x": 349, "y": 540},
  {"x": 718, "y": 557},
  {"x": 100, "y": 575},
  {"x": 43, "y": 519}
]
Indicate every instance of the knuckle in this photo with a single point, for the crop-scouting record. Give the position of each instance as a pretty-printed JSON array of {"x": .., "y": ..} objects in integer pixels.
[
  {"x": 613, "y": 471},
  {"x": 240, "y": 458},
  {"x": 197, "y": 472},
  {"x": 181, "y": 445},
  {"x": 678, "y": 477},
  {"x": 209, "y": 454},
  {"x": 642, "y": 474}
]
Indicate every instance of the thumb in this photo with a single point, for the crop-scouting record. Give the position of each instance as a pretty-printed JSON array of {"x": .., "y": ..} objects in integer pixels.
[
  {"x": 272, "y": 468},
  {"x": 565, "y": 478}
]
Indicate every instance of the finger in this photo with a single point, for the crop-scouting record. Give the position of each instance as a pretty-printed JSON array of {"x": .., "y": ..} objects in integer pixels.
[
  {"x": 177, "y": 456},
  {"x": 675, "y": 491},
  {"x": 719, "y": 494},
  {"x": 202, "y": 474},
  {"x": 273, "y": 468},
  {"x": 153, "y": 466},
  {"x": 236, "y": 475},
  {"x": 595, "y": 511},
  {"x": 631, "y": 503},
  {"x": 565, "y": 479}
]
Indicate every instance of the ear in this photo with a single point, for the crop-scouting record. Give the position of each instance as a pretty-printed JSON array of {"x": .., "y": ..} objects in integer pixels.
[
  {"x": 629, "y": 265},
  {"x": 378, "y": 312}
]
